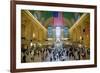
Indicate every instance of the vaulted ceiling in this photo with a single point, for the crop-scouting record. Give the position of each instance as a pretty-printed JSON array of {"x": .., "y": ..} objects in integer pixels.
[{"x": 46, "y": 17}]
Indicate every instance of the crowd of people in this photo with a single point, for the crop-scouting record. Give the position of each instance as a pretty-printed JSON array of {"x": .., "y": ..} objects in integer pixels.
[{"x": 51, "y": 53}]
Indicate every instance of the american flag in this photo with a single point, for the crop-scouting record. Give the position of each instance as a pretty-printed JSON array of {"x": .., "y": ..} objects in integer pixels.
[{"x": 57, "y": 19}]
